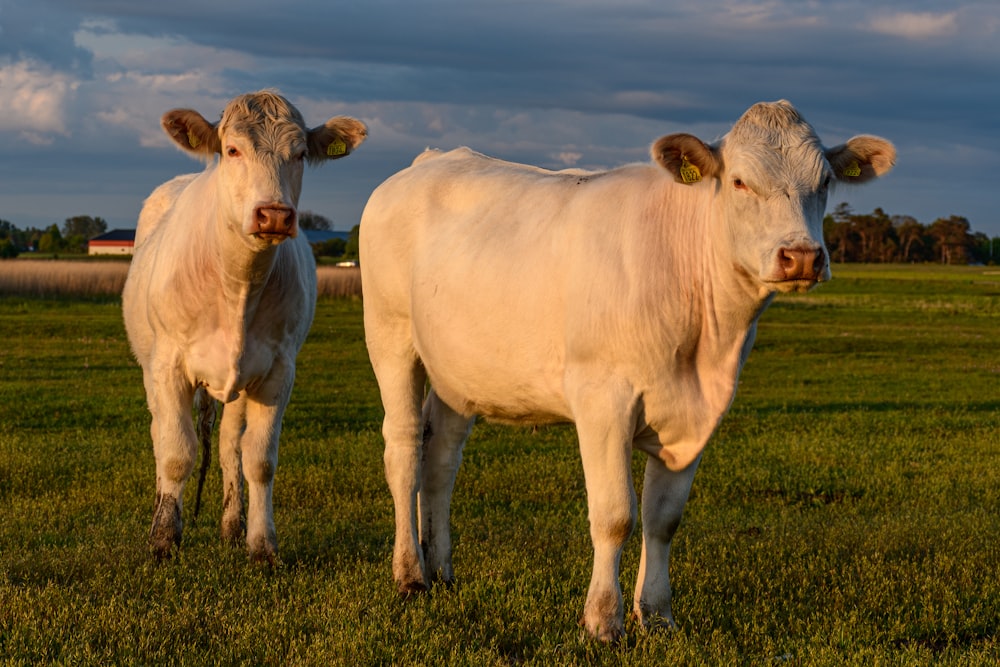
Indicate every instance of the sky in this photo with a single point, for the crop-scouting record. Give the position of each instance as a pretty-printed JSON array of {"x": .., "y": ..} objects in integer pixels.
[{"x": 555, "y": 83}]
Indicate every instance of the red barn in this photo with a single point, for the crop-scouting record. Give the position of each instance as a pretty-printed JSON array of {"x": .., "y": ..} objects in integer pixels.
[{"x": 115, "y": 242}]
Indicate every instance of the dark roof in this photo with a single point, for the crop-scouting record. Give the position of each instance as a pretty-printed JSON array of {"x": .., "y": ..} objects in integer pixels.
[
  {"x": 321, "y": 235},
  {"x": 116, "y": 235}
]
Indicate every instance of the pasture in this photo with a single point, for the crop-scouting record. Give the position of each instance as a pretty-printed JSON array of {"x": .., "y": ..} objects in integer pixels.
[{"x": 846, "y": 512}]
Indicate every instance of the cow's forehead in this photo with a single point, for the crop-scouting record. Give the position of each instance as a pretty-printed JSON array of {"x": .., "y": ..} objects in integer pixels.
[
  {"x": 773, "y": 138},
  {"x": 776, "y": 124},
  {"x": 266, "y": 118}
]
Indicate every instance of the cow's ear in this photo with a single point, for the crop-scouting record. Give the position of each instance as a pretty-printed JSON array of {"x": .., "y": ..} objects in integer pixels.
[
  {"x": 861, "y": 159},
  {"x": 337, "y": 138},
  {"x": 192, "y": 132},
  {"x": 686, "y": 157}
]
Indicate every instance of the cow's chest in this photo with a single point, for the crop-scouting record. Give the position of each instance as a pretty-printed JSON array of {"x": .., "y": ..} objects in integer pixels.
[{"x": 227, "y": 361}]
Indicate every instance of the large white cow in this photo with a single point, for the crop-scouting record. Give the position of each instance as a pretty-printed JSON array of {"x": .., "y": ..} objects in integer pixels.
[
  {"x": 219, "y": 298},
  {"x": 623, "y": 301}
]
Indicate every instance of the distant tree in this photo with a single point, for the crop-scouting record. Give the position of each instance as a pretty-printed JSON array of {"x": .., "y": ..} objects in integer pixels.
[
  {"x": 331, "y": 248},
  {"x": 351, "y": 250},
  {"x": 310, "y": 220},
  {"x": 994, "y": 256},
  {"x": 911, "y": 237},
  {"x": 839, "y": 234},
  {"x": 952, "y": 240},
  {"x": 7, "y": 249},
  {"x": 876, "y": 234},
  {"x": 981, "y": 248},
  {"x": 85, "y": 226},
  {"x": 50, "y": 241}
]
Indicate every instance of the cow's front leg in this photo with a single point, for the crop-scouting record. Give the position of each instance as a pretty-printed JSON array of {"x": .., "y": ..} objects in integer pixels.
[
  {"x": 175, "y": 448},
  {"x": 444, "y": 435},
  {"x": 234, "y": 423},
  {"x": 264, "y": 407},
  {"x": 606, "y": 429},
  {"x": 259, "y": 446},
  {"x": 664, "y": 495}
]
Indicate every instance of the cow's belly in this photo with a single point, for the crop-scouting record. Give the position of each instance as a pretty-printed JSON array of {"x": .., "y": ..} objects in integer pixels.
[{"x": 479, "y": 369}]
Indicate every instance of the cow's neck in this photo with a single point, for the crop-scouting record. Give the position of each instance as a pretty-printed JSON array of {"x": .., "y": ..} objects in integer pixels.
[
  {"x": 244, "y": 274},
  {"x": 732, "y": 302}
]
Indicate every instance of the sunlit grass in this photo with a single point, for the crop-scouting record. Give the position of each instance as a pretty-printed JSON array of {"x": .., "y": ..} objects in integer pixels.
[{"x": 846, "y": 512}]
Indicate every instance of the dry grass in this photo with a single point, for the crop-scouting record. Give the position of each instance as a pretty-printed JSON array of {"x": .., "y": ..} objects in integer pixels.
[
  {"x": 339, "y": 281},
  {"x": 58, "y": 278},
  {"x": 49, "y": 278}
]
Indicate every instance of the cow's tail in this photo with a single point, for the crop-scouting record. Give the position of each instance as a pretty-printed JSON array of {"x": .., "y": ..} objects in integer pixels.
[{"x": 205, "y": 415}]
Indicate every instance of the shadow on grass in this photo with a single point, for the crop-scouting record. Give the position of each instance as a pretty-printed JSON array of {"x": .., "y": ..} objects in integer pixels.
[{"x": 938, "y": 407}]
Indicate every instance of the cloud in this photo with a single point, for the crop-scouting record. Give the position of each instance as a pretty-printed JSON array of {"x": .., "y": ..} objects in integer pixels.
[
  {"x": 33, "y": 101},
  {"x": 916, "y": 25},
  {"x": 568, "y": 158},
  {"x": 557, "y": 83}
]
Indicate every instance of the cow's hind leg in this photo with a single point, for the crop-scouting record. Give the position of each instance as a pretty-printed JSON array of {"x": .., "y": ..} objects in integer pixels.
[
  {"x": 401, "y": 379},
  {"x": 234, "y": 423},
  {"x": 205, "y": 415},
  {"x": 664, "y": 495},
  {"x": 444, "y": 434}
]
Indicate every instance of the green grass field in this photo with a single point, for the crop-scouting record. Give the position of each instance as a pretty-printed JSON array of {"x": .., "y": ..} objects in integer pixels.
[{"x": 846, "y": 513}]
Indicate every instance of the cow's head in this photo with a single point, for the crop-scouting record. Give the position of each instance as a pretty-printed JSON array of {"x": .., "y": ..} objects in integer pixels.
[
  {"x": 772, "y": 177},
  {"x": 262, "y": 144}
]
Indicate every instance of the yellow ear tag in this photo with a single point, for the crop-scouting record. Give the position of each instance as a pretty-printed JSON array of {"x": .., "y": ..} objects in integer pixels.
[
  {"x": 689, "y": 172},
  {"x": 853, "y": 170},
  {"x": 193, "y": 141},
  {"x": 336, "y": 147}
]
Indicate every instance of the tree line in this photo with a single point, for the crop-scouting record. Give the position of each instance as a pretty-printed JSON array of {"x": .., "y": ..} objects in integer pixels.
[
  {"x": 71, "y": 238},
  {"x": 75, "y": 232},
  {"x": 877, "y": 237},
  {"x": 874, "y": 237}
]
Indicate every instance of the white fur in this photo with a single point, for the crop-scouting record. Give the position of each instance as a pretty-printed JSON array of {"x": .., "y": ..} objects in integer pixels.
[
  {"x": 622, "y": 301},
  {"x": 211, "y": 306}
]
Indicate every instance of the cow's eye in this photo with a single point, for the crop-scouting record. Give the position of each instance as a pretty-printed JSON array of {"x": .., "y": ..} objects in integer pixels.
[
  {"x": 826, "y": 184},
  {"x": 233, "y": 151},
  {"x": 739, "y": 184}
]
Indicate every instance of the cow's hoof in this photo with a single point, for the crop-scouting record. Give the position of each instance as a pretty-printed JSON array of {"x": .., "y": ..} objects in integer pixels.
[
  {"x": 607, "y": 633},
  {"x": 263, "y": 551},
  {"x": 233, "y": 531},
  {"x": 654, "y": 621},
  {"x": 165, "y": 533},
  {"x": 411, "y": 587}
]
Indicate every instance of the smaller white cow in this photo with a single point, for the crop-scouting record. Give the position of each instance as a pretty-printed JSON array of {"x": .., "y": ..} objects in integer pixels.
[
  {"x": 219, "y": 298},
  {"x": 622, "y": 301}
]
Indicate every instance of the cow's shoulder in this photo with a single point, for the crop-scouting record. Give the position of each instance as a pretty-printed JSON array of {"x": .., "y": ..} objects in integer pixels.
[{"x": 159, "y": 204}]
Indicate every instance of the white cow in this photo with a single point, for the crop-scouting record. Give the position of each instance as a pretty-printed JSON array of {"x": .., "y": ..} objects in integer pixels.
[
  {"x": 219, "y": 298},
  {"x": 623, "y": 301}
]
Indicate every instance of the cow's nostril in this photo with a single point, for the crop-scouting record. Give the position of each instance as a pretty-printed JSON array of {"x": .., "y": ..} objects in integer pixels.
[
  {"x": 274, "y": 220},
  {"x": 791, "y": 261},
  {"x": 819, "y": 262}
]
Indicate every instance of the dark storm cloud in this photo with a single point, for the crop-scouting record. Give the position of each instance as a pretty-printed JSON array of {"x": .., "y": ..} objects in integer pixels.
[
  {"x": 41, "y": 32},
  {"x": 555, "y": 83}
]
